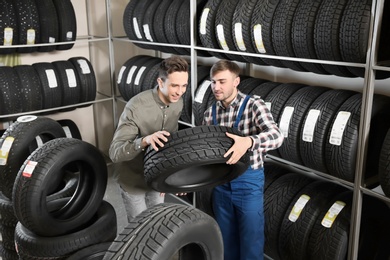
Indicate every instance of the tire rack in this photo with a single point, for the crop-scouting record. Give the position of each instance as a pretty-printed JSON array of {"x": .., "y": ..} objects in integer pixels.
[{"x": 371, "y": 66}]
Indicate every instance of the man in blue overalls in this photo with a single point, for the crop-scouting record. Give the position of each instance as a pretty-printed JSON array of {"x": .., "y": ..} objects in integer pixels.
[{"x": 238, "y": 205}]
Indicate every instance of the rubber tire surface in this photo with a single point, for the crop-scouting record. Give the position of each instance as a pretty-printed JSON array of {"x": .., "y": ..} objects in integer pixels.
[
  {"x": 192, "y": 160},
  {"x": 54, "y": 159},
  {"x": 162, "y": 230}
]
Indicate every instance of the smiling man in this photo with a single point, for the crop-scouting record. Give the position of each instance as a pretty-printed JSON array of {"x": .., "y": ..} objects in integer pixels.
[{"x": 147, "y": 119}]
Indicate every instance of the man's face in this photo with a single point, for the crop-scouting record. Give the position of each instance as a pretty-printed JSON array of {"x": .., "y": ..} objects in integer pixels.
[
  {"x": 224, "y": 85},
  {"x": 173, "y": 87}
]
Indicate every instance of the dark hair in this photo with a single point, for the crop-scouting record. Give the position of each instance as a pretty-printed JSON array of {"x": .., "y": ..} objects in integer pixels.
[
  {"x": 223, "y": 65},
  {"x": 172, "y": 64}
]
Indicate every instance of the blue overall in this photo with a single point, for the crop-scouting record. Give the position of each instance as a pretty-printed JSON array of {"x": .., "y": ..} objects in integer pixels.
[{"x": 238, "y": 209}]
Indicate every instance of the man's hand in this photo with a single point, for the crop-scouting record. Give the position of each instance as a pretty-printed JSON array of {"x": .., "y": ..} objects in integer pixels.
[
  {"x": 239, "y": 148},
  {"x": 157, "y": 138}
]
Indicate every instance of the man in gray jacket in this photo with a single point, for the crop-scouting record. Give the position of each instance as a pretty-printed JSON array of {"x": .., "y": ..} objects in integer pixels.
[{"x": 147, "y": 119}]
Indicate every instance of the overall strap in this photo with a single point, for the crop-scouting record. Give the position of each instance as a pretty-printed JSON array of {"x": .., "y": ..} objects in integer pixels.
[
  {"x": 241, "y": 111},
  {"x": 238, "y": 118}
]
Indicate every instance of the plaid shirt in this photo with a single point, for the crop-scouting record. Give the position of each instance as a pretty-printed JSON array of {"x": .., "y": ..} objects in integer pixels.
[{"x": 256, "y": 122}]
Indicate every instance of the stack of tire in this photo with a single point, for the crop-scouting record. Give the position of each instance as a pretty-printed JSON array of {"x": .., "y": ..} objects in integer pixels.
[
  {"x": 46, "y": 85},
  {"x": 29, "y": 22},
  {"x": 165, "y": 22},
  {"x": 308, "y": 218},
  {"x": 140, "y": 73},
  {"x": 52, "y": 189}
]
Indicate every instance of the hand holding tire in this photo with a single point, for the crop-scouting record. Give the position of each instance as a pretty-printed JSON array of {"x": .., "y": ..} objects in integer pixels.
[
  {"x": 156, "y": 139},
  {"x": 239, "y": 148}
]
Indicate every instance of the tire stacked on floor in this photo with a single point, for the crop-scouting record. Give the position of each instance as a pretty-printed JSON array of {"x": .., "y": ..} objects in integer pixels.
[
  {"x": 29, "y": 22},
  {"x": 51, "y": 192},
  {"x": 46, "y": 85}
]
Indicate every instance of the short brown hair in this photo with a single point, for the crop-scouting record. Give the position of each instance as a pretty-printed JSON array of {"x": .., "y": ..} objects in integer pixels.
[
  {"x": 223, "y": 65},
  {"x": 172, "y": 64}
]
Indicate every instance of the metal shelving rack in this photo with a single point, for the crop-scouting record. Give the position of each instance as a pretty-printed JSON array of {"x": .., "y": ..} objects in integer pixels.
[{"x": 368, "y": 88}]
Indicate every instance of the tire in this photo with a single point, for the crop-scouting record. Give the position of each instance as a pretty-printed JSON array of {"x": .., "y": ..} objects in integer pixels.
[
  {"x": 315, "y": 126},
  {"x": 162, "y": 230},
  {"x": 204, "y": 202},
  {"x": 28, "y": 23},
  {"x": 8, "y": 19},
  {"x": 69, "y": 82},
  {"x": 93, "y": 252},
  {"x": 291, "y": 119},
  {"x": 301, "y": 215},
  {"x": 8, "y": 254},
  {"x": 10, "y": 91},
  {"x": 50, "y": 84},
  {"x": 198, "y": 149},
  {"x": 70, "y": 128},
  {"x": 332, "y": 242},
  {"x": 8, "y": 218},
  {"x": 24, "y": 136},
  {"x": 101, "y": 228},
  {"x": 67, "y": 23},
  {"x": 200, "y": 103},
  {"x": 86, "y": 76},
  {"x": 276, "y": 201},
  {"x": 384, "y": 166},
  {"x": 264, "y": 89},
  {"x": 54, "y": 159},
  {"x": 48, "y": 22}
]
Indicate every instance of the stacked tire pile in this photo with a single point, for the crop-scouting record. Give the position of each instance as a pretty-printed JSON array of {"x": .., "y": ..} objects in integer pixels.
[
  {"x": 29, "y": 22},
  {"x": 320, "y": 125},
  {"x": 308, "y": 218},
  {"x": 165, "y": 22},
  {"x": 46, "y": 85},
  {"x": 140, "y": 73},
  {"x": 52, "y": 189}
]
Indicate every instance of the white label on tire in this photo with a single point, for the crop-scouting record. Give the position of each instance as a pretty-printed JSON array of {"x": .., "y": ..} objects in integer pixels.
[
  {"x": 147, "y": 32},
  {"x": 298, "y": 207},
  {"x": 71, "y": 78},
  {"x": 30, "y": 36},
  {"x": 84, "y": 66},
  {"x": 52, "y": 40},
  {"x": 29, "y": 169},
  {"x": 8, "y": 36},
  {"x": 67, "y": 131},
  {"x": 121, "y": 74},
  {"x": 69, "y": 35},
  {"x": 203, "y": 21},
  {"x": 221, "y": 37},
  {"x": 201, "y": 91},
  {"x": 310, "y": 124},
  {"x": 336, "y": 135},
  {"x": 258, "y": 38},
  {"x": 5, "y": 148},
  {"x": 139, "y": 75},
  {"x": 285, "y": 120},
  {"x": 51, "y": 78},
  {"x": 130, "y": 75},
  {"x": 24, "y": 119},
  {"x": 332, "y": 214},
  {"x": 136, "y": 28},
  {"x": 239, "y": 37}
]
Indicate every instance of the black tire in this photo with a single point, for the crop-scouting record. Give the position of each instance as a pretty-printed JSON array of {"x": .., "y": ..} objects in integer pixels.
[
  {"x": 277, "y": 198},
  {"x": 8, "y": 254},
  {"x": 50, "y": 84},
  {"x": 301, "y": 215},
  {"x": 8, "y": 19},
  {"x": 86, "y": 77},
  {"x": 93, "y": 252},
  {"x": 67, "y": 23},
  {"x": 54, "y": 159},
  {"x": 176, "y": 9},
  {"x": 22, "y": 137},
  {"x": 271, "y": 173},
  {"x": 28, "y": 23},
  {"x": 31, "y": 91},
  {"x": 158, "y": 26},
  {"x": 70, "y": 128},
  {"x": 315, "y": 127},
  {"x": 69, "y": 82},
  {"x": 162, "y": 231},
  {"x": 48, "y": 22},
  {"x": 199, "y": 149},
  {"x": 10, "y": 91},
  {"x": 384, "y": 165},
  {"x": 204, "y": 202},
  {"x": 264, "y": 89},
  {"x": 291, "y": 119},
  {"x": 200, "y": 103},
  {"x": 247, "y": 86},
  {"x": 7, "y": 214},
  {"x": 331, "y": 241},
  {"x": 101, "y": 228},
  {"x": 150, "y": 79},
  {"x": 303, "y": 34}
]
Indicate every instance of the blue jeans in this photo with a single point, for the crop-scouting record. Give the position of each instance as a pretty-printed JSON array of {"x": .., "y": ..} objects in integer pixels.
[{"x": 238, "y": 209}]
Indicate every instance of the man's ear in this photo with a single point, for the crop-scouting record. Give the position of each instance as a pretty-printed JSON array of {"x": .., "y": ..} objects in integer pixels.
[
  {"x": 237, "y": 81},
  {"x": 160, "y": 82}
]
